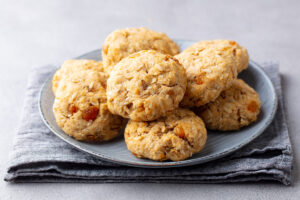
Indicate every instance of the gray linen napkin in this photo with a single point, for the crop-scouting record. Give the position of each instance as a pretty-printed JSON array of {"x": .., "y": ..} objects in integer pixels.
[{"x": 39, "y": 156}]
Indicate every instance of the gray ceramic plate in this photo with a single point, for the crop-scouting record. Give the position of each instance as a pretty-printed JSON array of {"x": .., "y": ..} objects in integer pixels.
[{"x": 218, "y": 144}]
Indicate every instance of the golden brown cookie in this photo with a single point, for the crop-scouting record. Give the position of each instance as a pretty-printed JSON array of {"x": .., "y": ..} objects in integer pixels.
[
  {"x": 236, "y": 107},
  {"x": 80, "y": 105},
  {"x": 70, "y": 67},
  {"x": 175, "y": 137},
  {"x": 121, "y": 43},
  {"x": 240, "y": 53},
  {"x": 210, "y": 69},
  {"x": 145, "y": 86}
]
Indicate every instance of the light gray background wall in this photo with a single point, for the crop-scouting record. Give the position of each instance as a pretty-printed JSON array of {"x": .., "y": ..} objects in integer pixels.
[{"x": 34, "y": 33}]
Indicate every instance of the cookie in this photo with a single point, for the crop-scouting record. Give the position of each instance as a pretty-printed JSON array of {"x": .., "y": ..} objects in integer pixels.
[
  {"x": 175, "y": 137},
  {"x": 210, "y": 69},
  {"x": 121, "y": 43},
  {"x": 236, "y": 107},
  {"x": 145, "y": 86},
  {"x": 240, "y": 53},
  {"x": 70, "y": 67},
  {"x": 80, "y": 105}
]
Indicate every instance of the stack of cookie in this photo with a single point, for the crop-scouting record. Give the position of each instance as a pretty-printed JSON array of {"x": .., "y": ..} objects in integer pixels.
[{"x": 144, "y": 78}]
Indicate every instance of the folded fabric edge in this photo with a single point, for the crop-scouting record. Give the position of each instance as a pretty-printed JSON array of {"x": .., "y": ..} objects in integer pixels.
[
  {"x": 280, "y": 172},
  {"x": 280, "y": 159},
  {"x": 57, "y": 178}
]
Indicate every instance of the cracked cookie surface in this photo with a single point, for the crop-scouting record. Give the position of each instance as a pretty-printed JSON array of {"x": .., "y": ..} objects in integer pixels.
[
  {"x": 240, "y": 53},
  {"x": 70, "y": 67},
  {"x": 210, "y": 69},
  {"x": 175, "y": 137},
  {"x": 121, "y": 43},
  {"x": 145, "y": 86},
  {"x": 80, "y": 105},
  {"x": 236, "y": 107}
]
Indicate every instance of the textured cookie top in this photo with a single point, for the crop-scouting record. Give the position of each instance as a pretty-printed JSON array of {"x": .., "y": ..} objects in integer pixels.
[
  {"x": 240, "y": 53},
  {"x": 80, "y": 105},
  {"x": 236, "y": 107},
  {"x": 71, "y": 68},
  {"x": 210, "y": 69},
  {"x": 174, "y": 137},
  {"x": 145, "y": 85},
  {"x": 121, "y": 43}
]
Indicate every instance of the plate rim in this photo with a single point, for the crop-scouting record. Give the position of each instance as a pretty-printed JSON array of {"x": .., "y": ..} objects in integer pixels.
[{"x": 170, "y": 164}]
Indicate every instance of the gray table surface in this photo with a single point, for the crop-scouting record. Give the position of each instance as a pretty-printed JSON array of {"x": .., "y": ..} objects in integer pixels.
[{"x": 34, "y": 33}]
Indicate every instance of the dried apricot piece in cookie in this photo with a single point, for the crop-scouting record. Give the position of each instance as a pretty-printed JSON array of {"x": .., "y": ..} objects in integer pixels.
[
  {"x": 145, "y": 86},
  {"x": 80, "y": 105},
  {"x": 121, "y": 43},
  {"x": 236, "y": 107},
  {"x": 175, "y": 137}
]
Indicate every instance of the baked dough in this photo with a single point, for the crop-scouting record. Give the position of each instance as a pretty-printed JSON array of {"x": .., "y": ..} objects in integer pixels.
[
  {"x": 235, "y": 108},
  {"x": 145, "y": 86},
  {"x": 70, "y": 67},
  {"x": 175, "y": 137},
  {"x": 121, "y": 43},
  {"x": 80, "y": 105},
  {"x": 240, "y": 53},
  {"x": 210, "y": 69}
]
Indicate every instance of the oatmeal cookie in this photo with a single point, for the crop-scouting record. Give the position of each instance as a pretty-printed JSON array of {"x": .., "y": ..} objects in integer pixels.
[
  {"x": 70, "y": 67},
  {"x": 121, "y": 43},
  {"x": 175, "y": 137},
  {"x": 240, "y": 53},
  {"x": 236, "y": 107},
  {"x": 145, "y": 86},
  {"x": 210, "y": 69},
  {"x": 80, "y": 105}
]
